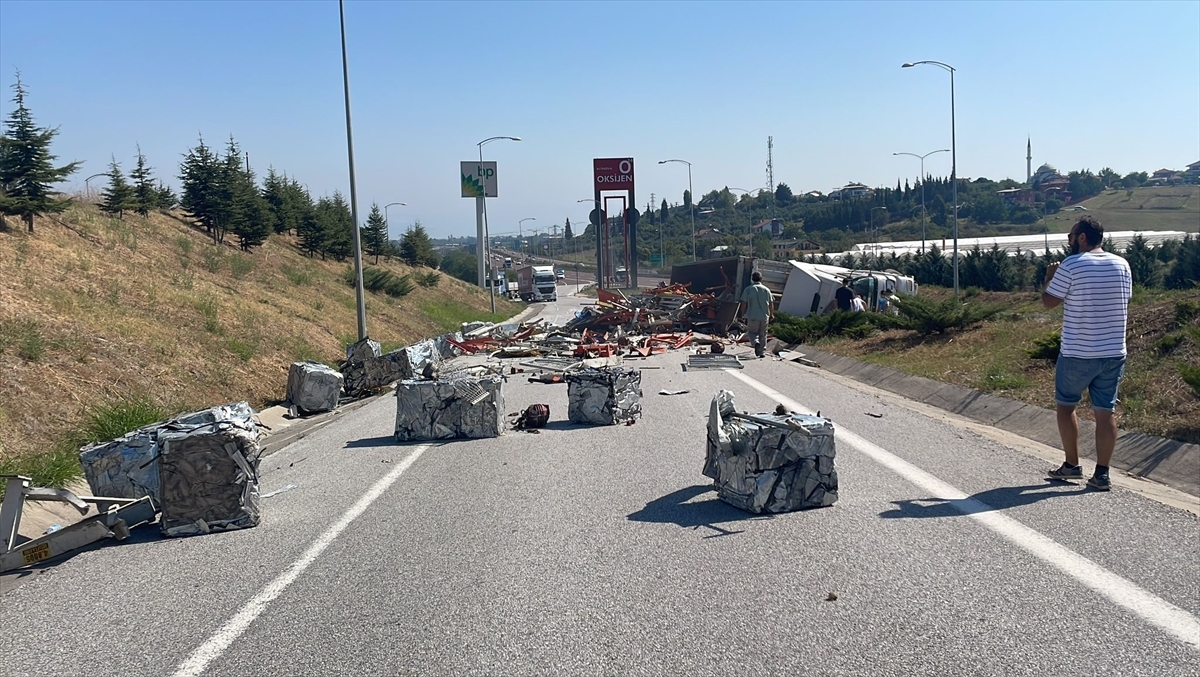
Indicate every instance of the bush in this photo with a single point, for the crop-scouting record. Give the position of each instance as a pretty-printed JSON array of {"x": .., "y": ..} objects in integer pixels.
[
  {"x": 929, "y": 317},
  {"x": 428, "y": 279},
  {"x": 1185, "y": 312},
  {"x": 1046, "y": 347},
  {"x": 381, "y": 280},
  {"x": 1191, "y": 376},
  {"x": 791, "y": 329}
]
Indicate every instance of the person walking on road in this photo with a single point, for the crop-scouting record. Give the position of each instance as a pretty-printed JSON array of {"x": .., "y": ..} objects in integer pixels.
[
  {"x": 756, "y": 305},
  {"x": 1094, "y": 287}
]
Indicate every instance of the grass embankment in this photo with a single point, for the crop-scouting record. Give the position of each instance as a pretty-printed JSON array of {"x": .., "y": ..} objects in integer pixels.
[
  {"x": 99, "y": 315},
  {"x": 1163, "y": 336}
]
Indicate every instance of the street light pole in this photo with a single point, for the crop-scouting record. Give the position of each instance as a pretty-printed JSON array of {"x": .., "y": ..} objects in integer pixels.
[
  {"x": 358, "y": 263},
  {"x": 520, "y": 233},
  {"x": 87, "y": 187},
  {"x": 953, "y": 159},
  {"x": 485, "y": 263},
  {"x": 922, "y": 158},
  {"x": 692, "y": 197},
  {"x": 386, "y": 221}
]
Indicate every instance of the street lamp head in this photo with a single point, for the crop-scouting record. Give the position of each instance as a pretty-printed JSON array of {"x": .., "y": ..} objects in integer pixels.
[{"x": 907, "y": 65}]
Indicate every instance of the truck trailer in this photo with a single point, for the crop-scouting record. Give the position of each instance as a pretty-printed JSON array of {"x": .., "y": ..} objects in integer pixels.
[{"x": 537, "y": 284}]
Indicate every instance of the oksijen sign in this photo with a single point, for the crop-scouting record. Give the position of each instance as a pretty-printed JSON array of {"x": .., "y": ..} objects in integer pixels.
[{"x": 613, "y": 173}]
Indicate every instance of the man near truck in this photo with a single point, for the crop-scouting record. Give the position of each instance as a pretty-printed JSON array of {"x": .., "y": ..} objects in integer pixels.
[{"x": 755, "y": 306}]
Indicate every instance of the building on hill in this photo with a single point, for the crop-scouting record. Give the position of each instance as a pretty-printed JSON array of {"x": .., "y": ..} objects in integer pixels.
[
  {"x": 1046, "y": 172},
  {"x": 773, "y": 227},
  {"x": 1192, "y": 175},
  {"x": 851, "y": 191},
  {"x": 1164, "y": 177},
  {"x": 709, "y": 234},
  {"x": 1016, "y": 196},
  {"x": 786, "y": 250}
]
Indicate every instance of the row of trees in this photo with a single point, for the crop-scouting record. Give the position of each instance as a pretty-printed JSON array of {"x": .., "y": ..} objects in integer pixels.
[
  {"x": 219, "y": 191},
  {"x": 1175, "y": 264}
]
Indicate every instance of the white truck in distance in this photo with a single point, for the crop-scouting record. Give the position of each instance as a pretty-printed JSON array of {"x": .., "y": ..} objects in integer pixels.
[{"x": 536, "y": 284}]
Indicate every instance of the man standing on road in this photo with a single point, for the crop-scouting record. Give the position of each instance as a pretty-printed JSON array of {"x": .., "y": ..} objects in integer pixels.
[
  {"x": 1095, "y": 287},
  {"x": 756, "y": 306}
]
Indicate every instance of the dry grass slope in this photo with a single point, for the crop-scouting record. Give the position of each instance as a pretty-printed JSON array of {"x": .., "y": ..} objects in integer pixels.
[{"x": 95, "y": 310}]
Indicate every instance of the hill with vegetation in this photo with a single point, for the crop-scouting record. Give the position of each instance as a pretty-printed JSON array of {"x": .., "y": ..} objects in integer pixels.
[{"x": 151, "y": 312}]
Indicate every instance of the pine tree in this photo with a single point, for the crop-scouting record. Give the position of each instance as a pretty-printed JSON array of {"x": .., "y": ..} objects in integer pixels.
[
  {"x": 145, "y": 195},
  {"x": 375, "y": 233},
  {"x": 198, "y": 176},
  {"x": 164, "y": 197},
  {"x": 1143, "y": 264},
  {"x": 416, "y": 249},
  {"x": 567, "y": 232},
  {"x": 26, "y": 165},
  {"x": 311, "y": 230},
  {"x": 339, "y": 228},
  {"x": 250, "y": 216},
  {"x": 118, "y": 196},
  {"x": 664, "y": 211}
]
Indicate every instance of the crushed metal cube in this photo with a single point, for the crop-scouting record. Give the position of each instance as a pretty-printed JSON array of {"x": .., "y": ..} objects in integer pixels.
[
  {"x": 125, "y": 467},
  {"x": 461, "y": 406},
  {"x": 604, "y": 396},
  {"x": 313, "y": 387},
  {"x": 770, "y": 462},
  {"x": 208, "y": 469}
]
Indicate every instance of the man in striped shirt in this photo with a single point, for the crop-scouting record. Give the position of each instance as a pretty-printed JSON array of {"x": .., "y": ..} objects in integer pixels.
[{"x": 1094, "y": 287}]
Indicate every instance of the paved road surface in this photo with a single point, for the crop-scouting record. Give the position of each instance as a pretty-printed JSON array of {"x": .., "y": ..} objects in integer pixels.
[{"x": 602, "y": 551}]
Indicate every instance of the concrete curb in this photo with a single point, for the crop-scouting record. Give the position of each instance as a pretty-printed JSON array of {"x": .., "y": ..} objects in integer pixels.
[{"x": 1170, "y": 462}]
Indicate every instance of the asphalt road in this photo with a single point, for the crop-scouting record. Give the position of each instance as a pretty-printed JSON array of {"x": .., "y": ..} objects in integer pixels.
[{"x": 602, "y": 551}]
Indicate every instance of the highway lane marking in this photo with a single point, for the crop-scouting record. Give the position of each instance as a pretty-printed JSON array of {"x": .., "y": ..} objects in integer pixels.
[
  {"x": 1173, "y": 620},
  {"x": 220, "y": 640}
]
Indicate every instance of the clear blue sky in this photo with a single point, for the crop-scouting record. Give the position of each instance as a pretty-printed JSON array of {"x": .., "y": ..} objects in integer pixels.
[{"x": 1093, "y": 84}]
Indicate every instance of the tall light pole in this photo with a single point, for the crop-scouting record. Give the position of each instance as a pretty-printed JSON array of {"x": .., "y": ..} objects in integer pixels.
[
  {"x": 87, "y": 187},
  {"x": 358, "y": 262},
  {"x": 953, "y": 159},
  {"x": 601, "y": 223},
  {"x": 922, "y": 158},
  {"x": 520, "y": 233},
  {"x": 485, "y": 260},
  {"x": 386, "y": 221},
  {"x": 692, "y": 197}
]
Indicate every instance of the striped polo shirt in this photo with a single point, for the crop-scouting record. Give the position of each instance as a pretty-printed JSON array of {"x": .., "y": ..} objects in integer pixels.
[{"x": 1095, "y": 288}]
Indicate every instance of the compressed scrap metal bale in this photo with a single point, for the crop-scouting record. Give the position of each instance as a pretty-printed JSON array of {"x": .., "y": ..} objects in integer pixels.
[
  {"x": 362, "y": 350},
  {"x": 447, "y": 408},
  {"x": 127, "y": 467},
  {"x": 446, "y": 349},
  {"x": 124, "y": 467},
  {"x": 415, "y": 361},
  {"x": 208, "y": 468},
  {"x": 604, "y": 396},
  {"x": 773, "y": 463},
  {"x": 418, "y": 359},
  {"x": 313, "y": 387}
]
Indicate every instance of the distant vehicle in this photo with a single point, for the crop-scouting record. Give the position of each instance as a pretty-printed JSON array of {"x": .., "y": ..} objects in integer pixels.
[
  {"x": 560, "y": 274},
  {"x": 1079, "y": 208},
  {"x": 508, "y": 262},
  {"x": 536, "y": 284}
]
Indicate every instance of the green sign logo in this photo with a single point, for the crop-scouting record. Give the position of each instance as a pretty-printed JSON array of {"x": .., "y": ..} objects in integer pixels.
[{"x": 471, "y": 187}]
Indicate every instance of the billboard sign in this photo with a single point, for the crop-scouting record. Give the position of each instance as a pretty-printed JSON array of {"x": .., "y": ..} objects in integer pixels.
[
  {"x": 613, "y": 173},
  {"x": 478, "y": 178}
]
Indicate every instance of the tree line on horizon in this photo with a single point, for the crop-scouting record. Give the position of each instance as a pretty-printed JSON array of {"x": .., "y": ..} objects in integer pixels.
[{"x": 219, "y": 192}]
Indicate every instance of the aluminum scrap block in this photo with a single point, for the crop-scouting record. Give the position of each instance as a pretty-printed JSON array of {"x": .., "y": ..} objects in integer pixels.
[
  {"x": 604, "y": 396},
  {"x": 408, "y": 362},
  {"x": 126, "y": 467},
  {"x": 770, "y": 462},
  {"x": 364, "y": 349},
  {"x": 313, "y": 387},
  {"x": 208, "y": 469},
  {"x": 448, "y": 408},
  {"x": 446, "y": 349}
]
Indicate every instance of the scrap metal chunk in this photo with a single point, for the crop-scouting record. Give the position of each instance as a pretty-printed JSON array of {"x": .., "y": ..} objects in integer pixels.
[
  {"x": 770, "y": 462},
  {"x": 604, "y": 396}
]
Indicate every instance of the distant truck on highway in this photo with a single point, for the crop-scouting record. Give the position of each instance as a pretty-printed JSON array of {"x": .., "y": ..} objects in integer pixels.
[{"x": 537, "y": 284}]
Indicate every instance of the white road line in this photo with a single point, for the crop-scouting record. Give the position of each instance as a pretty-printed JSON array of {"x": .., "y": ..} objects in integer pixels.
[
  {"x": 1157, "y": 611},
  {"x": 220, "y": 640}
]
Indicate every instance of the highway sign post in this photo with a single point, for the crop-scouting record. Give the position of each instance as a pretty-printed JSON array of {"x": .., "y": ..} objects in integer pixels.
[{"x": 478, "y": 180}]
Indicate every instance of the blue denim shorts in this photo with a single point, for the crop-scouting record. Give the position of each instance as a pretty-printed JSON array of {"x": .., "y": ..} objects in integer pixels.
[{"x": 1099, "y": 376}]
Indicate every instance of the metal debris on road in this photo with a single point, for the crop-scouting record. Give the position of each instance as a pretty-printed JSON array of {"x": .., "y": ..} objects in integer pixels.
[
  {"x": 770, "y": 462},
  {"x": 673, "y": 392},
  {"x": 714, "y": 361},
  {"x": 208, "y": 468},
  {"x": 313, "y": 387},
  {"x": 454, "y": 406},
  {"x": 279, "y": 491},
  {"x": 604, "y": 396}
]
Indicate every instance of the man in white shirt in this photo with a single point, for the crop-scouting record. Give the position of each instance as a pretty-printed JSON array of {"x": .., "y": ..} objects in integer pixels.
[
  {"x": 857, "y": 303},
  {"x": 1095, "y": 288}
]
